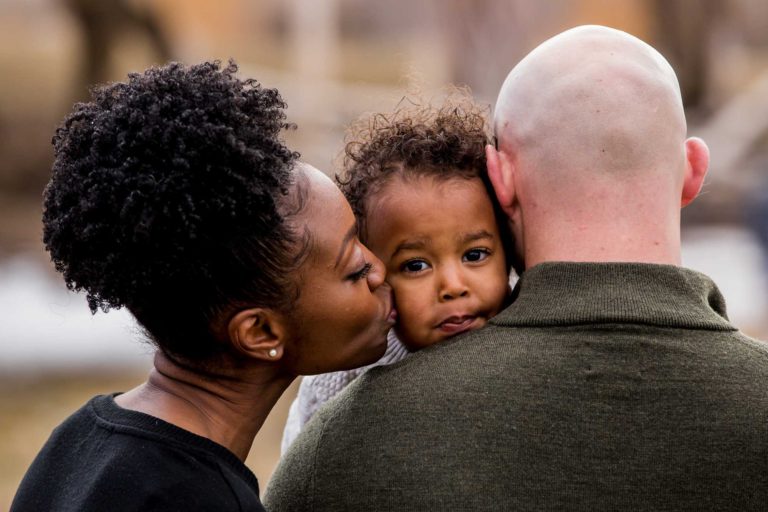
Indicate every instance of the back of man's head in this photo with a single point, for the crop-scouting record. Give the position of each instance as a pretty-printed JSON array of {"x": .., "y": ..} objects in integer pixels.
[{"x": 592, "y": 130}]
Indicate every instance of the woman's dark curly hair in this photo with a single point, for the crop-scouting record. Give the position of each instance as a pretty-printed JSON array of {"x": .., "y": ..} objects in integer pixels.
[
  {"x": 417, "y": 139},
  {"x": 166, "y": 197}
]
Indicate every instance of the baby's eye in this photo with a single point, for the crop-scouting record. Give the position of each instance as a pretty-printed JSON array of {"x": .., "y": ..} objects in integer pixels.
[
  {"x": 473, "y": 255},
  {"x": 414, "y": 266}
]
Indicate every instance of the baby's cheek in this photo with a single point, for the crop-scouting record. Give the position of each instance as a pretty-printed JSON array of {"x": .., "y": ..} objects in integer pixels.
[
  {"x": 409, "y": 329},
  {"x": 413, "y": 311},
  {"x": 409, "y": 296},
  {"x": 399, "y": 290}
]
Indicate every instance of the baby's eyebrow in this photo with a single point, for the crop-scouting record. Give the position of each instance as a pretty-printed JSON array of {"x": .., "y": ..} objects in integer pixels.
[
  {"x": 465, "y": 238},
  {"x": 422, "y": 243},
  {"x": 411, "y": 245}
]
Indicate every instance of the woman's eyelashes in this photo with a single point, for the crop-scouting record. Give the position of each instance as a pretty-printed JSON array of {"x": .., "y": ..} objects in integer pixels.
[{"x": 362, "y": 273}]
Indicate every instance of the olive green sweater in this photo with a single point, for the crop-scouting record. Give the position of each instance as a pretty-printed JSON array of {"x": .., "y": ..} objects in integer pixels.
[{"x": 602, "y": 387}]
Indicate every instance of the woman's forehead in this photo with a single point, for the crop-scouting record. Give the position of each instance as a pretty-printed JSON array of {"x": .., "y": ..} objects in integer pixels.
[{"x": 326, "y": 215}]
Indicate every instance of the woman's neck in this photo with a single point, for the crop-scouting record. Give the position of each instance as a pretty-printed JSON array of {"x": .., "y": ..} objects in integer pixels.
[{"x": 227, "y": 409}]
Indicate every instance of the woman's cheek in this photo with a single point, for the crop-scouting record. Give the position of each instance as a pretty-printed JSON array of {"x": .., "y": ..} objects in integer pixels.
[{"x": 365, "y": 310}]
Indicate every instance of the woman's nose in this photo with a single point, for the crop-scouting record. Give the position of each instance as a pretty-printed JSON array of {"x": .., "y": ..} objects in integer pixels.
[
  {"x": 378, "y": 272},
  {"x": 452, "y": 284}
]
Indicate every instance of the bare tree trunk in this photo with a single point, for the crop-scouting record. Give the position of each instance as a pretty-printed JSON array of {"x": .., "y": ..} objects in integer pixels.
[
  {"x": 683, "y": 28},
  {"x": 101, "y": 23}
]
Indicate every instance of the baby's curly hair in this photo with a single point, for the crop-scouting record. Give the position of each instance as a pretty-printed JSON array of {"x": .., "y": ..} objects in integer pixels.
[
  {"x": 417, "y": 139},
  {"x": 165, "y": 198}
]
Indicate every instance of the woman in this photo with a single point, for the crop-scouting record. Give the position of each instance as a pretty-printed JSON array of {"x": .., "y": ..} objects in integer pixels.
[{"x": 173, "y": 195}]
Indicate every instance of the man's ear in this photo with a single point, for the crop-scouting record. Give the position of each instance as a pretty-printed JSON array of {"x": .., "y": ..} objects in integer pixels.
[
  {"x": 258, "y": 333},
  {"x": 696, "y": 165},
  {"x": 501, "y": 174}
]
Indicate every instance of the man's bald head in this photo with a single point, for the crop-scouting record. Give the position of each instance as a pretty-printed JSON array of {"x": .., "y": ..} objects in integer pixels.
[
  {"x": 592, "y": 100},
  {"x": 593, "y": 163}
]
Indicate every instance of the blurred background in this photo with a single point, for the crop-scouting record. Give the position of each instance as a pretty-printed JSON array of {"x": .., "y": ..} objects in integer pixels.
[{"x": 332, "y": 60}]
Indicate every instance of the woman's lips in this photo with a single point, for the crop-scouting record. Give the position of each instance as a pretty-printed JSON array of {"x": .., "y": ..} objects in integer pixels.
[
  {"x": 457, "y": 324},
  {"x": 390, "y": 315}
]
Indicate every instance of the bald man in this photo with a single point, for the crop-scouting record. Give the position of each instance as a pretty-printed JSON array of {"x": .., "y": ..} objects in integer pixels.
[
  {"x": 593, "y": 163},
  {"x": 614, "y": 381}
]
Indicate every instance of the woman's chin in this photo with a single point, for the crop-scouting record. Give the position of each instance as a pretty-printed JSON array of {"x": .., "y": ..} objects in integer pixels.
[{"x": 373, "y": 353}]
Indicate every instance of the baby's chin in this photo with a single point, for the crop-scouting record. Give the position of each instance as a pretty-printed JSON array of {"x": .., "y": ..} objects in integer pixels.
[{"x": 438, "y": 334}]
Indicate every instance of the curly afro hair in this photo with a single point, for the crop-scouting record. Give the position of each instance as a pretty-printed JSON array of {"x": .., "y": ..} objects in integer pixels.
[
  {"x": 165, "y": 198},
  {"x": 417, "y": 139}
]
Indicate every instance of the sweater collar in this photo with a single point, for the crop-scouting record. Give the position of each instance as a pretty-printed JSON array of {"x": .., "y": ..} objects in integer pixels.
[{"x": 552, "y": 294}]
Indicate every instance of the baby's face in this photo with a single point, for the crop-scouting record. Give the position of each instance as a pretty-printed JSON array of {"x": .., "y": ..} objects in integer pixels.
[{"x": 445, "y": 262}]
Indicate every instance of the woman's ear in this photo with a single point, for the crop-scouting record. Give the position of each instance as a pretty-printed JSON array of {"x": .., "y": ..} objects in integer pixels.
[
  {"x": 500, "y": 172},
  {"x": 696, "y": 165},
  {"x": 258, "y": 333}
]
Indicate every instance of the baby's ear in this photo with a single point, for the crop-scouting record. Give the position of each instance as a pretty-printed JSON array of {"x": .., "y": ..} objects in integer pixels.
[
  {"x": 501, "y": 174},
  {"x": 258, "y": 333}
]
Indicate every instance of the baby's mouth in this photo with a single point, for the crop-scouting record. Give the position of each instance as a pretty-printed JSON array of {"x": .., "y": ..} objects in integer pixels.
[{"x": 457, "y": 324}]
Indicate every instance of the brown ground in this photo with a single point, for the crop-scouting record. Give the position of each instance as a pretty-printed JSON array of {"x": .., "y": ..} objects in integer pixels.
[{"x": 31, "y": 407}]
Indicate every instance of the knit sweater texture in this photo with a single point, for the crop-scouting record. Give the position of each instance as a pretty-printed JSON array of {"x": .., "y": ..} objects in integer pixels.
[
  {"x": 604, "y": 386},
  {"x": 316, "y": 390}
]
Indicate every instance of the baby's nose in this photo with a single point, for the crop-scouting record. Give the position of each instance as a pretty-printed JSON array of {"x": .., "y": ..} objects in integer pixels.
[
  {"x": 454, "y": 294},
  {"x": 452, "y": 285}
]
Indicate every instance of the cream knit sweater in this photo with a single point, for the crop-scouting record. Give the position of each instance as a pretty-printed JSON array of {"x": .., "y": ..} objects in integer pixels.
[{"x": 315, "y": 390}]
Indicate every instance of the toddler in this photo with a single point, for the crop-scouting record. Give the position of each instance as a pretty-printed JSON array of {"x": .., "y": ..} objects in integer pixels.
[{"x": 417, "y": 184}]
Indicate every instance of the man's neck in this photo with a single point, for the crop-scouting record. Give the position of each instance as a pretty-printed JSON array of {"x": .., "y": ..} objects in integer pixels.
[
  {"x": 602, "y": 217},
  {"x": 614, "y": 241},
  {"x": 227, "y": 409}
]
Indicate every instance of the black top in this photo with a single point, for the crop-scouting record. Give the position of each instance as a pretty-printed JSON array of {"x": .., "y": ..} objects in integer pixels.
[{"x": 104, "y": 457}]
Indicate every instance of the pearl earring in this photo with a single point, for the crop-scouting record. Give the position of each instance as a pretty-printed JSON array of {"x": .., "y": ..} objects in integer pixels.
[{"x": 273, "y": 352}]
